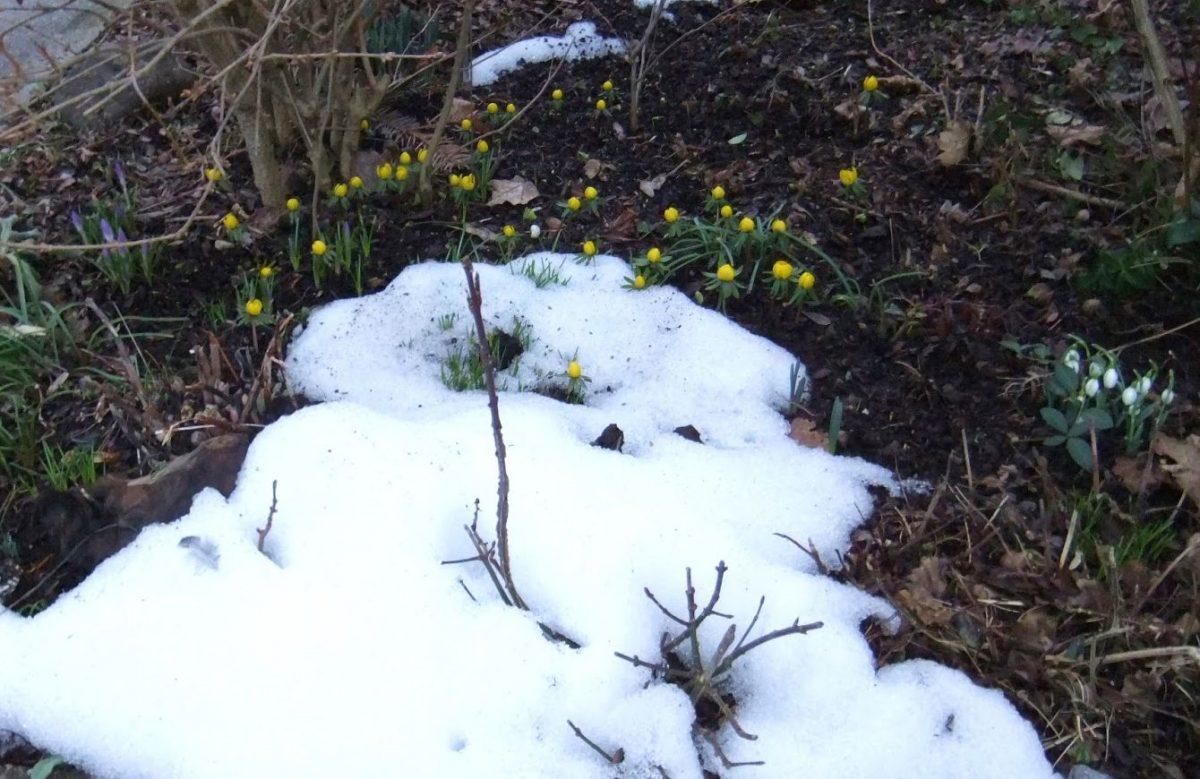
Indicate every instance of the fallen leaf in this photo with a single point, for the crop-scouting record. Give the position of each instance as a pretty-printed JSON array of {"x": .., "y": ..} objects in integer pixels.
[
  {"x": 650, "y": 186},
  {"x": 592, "y": 167},
  {"x": 953, "y": 143},
  {"x": 481, "y": 232},
  {"x": 849, "y": 109},
  {"x": 461, "y": 109},
  {"x": 1185, "y": 471},
  {"x": 805, "y": 432},
  {"x": 515, "y": 191},
  {"x": 1090, "y": 134},
  {"x": 922, "y": 594}
]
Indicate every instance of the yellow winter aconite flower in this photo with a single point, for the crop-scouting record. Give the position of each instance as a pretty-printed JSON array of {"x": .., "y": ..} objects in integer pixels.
[
  {"x": 589, "y": 248},
  {"x": 492, "y": 108},
  {"x": 481, "y": 146},
  {"x": 607, "y": 86},
  {"x": 671, "y": 215},
  {"x": 213, "y": 174},
  {"x": 230, "y": 221},
  {"x": 356, "y": 182},
  {"x": 718, "y": 192},
  {"x": 293, "y": 204},
  {"x": 266, "y": 272},
  {"x": 319, "y": 248},
  {"x": 601, "y": 104},
  {"x": 870, "y": 83},
  {"x": 364, "y": 125},
  {"x": 455, "y": 179},
  {"x": 254, "y": 307},
  {"x": 590, "y": 193},
  {"x": 511, "y": 108},
  {"x": 574, "y": 369},
  {"x": 726, "y": 210},
  {"x": 806, "y": 280},
  {"x": 726, "y": 272},
  {"x": 422, "y": 155},
  {"x": 465, "y": 124},
  {"x": 467, "y": 182},
  {"x": 405, "y": 158},
  {"x": 556, "y": 94},
  {"x": 401, "y": 173},
  {"x": 779, "y": 226},
  {"x": 384, "y": 171},
  {"x": 654, "y": 255},
  {"x": 340, "y": 190},
  {"x": 639, "y": 282},
  {"x": 782, "y": 270},
  {"x": 746, "y": 225},
  {"x": 573, "y": 203},
  {"x": 848, "y": 176},
  {"x": 509, "y": 231}
]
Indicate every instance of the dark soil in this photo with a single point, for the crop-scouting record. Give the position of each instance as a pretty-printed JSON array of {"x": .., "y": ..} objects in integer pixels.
[{"x": 953, "y": 265}]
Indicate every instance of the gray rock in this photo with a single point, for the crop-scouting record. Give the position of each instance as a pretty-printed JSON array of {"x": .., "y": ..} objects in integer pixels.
[{"x": 1083, "y": 772}]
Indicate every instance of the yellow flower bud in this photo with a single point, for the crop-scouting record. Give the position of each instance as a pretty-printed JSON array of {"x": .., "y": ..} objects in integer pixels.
[
  {"x": 782, "y": 270},
  {"x": 589, "y": 248},
  {"x": 467, "y": 182},
  {"x": 574, "y": 369},
  {"x": 779, "y": 226},
  {"x": 573, "y": 203},
  {"x": 465, "y": 124},
  {"x": 266, "y": 272},
  {"x": 492, "y": 108},
  {"x": 726, "y": 210},
  {"x": 746, "y": 225},
  {"x": 556, "y": 94},
  {"x": 601, "y": 105},
  {"x": 230, "y": 221},
  {"x": 671, "y": 215},
  {"x": 848, "y": 176},
  {"x": 481, "y": 146},
  {"x": 639, "y": 282},
  {"x": 364, "y": 125},
  {"x": 870, "y": 83},
  {"x": 356, "y": 182},
  {"x": 654, "y": 255},
  {"x": 254, "y": 307},
  {"x": 384, "y": 171},
  {"x": 455, "y": 179},
  {"x": 718, "y": 192},
  {"x": 590, "y": 193},
  {"x": 511, "y": 108},
  {"x": 806, "y": 280},
  {"x": 607, "y": 86},
  {"x": 318, "y": 247},
  {"x": 405, "y": 158},
  {"x": 293, "y": 204},
  {"x": 401, "y": 173},
  {"x": 509, "y": 231},
  {"x": 213, "y": 174},
  {"x": 422, "y": 155},
  {"x": 726, "y": 272},
  {"x": 340, "y": 190}
]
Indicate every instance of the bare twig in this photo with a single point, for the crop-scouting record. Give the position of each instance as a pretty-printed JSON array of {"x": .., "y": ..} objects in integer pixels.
[
  {"x": 266, "y": 529},
  {"x": 1082, "y": 197},
  {"x": 616, "y": 758},
  {"x": 810, "y": 550}
]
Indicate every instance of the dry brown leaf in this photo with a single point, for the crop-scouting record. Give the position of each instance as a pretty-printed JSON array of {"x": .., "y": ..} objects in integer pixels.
[
  {"x": 922, "y": 594},
  {"x": 849, "y": 109},
  {"x": 592, "y": 167},
  {"x": 805, "y": 432},
  {"x": 515, "y": 192},
  {"x": 1185, "y": 471},
  {"x": 461, "y": 109},
  {"x": 481, "y": 232},
  {"x": 650, "y": 186},
  {"x": 954, "y": 142},
  {"x": 1090, "y": 134}
]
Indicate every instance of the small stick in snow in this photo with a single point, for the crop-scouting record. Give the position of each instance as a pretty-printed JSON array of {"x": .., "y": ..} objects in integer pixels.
[
  {"x": 263, "y": 531},
  {"x": 616, "y": 758}
]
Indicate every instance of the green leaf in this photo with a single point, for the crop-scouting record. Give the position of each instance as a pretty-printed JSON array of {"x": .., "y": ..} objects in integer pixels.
[
  {"x": 1081, "y": 452},
  {"x": 1099, "y": 418},
  {"x": 1068, "y": 379},
  {"x": 1183, "y": 231},
  {"x": 1070, "y": 166},
  {"x": 1055, "y": 419},
  {"x": 44, "y": 767},
  {"x": 737, "y": 139},
  {"x": 1054, "y": 440}
]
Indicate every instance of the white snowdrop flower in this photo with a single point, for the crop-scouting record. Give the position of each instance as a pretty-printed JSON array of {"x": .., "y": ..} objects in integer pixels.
[
  {"x": 1095, "y": 369},
  {"x": 1145, "y": 384},
  {"x": 1091, "y": 387},
  {"x": 1129, "y": 396},
  {"x": 1071, "y": 360},
  {"x": 535, "y": 231},
  {"x": 1168, "y": 396},
  {"x": 1111, "y": 377}
]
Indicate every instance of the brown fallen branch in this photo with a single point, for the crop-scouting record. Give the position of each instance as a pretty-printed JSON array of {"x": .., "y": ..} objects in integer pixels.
[
  {"x": 615, "y": 758},
  {"x": 265, "y": 530},
  {"x": 1072, "y": 194}
]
